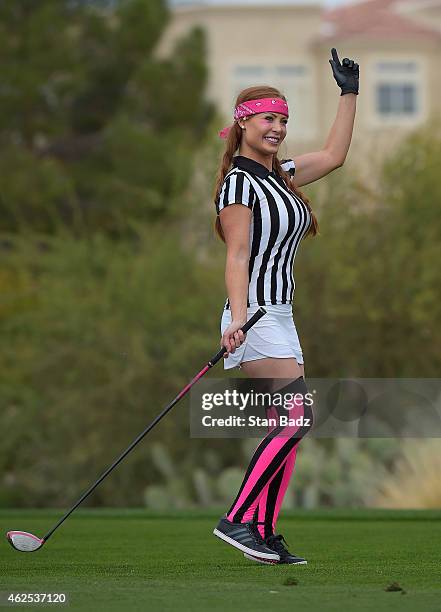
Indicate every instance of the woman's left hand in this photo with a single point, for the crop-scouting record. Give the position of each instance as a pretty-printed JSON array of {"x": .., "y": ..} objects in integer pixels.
[{"x": 346, "y": 74}]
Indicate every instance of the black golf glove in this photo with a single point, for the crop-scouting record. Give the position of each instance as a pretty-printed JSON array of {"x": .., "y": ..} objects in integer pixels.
[{"x": 346, "y": 74}]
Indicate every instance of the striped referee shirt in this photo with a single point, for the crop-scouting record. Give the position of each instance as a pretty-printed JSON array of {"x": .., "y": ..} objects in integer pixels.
[{"x": 279, "y": 221}]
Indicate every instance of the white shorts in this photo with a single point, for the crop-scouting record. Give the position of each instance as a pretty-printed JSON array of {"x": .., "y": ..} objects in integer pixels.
[{"x": 274, "y": 335}]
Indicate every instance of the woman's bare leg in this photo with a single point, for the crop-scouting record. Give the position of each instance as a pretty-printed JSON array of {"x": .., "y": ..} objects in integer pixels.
[{"x": 271, "y": 367}]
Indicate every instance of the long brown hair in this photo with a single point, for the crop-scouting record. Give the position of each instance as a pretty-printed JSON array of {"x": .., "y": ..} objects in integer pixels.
[{"x": 233, "y": 144}]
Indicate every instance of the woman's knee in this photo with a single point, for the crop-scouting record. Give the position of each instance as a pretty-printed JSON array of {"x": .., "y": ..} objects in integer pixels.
[{"x": 297, "y": 401}]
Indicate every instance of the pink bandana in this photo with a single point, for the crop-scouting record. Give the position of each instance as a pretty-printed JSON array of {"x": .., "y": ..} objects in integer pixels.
[{"x": 252, "y": 107}]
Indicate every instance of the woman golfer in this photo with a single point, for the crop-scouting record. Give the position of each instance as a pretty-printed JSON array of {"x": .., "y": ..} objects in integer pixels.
[{"x": 262, "y": 218}]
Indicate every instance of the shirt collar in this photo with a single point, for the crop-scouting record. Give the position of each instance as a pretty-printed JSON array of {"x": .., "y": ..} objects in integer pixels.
[{"x": 250, "y": 165}]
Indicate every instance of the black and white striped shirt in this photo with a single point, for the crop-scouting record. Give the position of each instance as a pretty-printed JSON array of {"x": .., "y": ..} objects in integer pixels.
[{"x": 279, "y": 221}]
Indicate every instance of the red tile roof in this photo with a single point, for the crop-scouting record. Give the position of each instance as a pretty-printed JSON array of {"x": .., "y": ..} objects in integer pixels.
[{"x": 372, "y": 20}]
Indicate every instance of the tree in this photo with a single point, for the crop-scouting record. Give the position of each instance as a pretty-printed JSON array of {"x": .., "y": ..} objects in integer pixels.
[{"x": 95, "y": 133}]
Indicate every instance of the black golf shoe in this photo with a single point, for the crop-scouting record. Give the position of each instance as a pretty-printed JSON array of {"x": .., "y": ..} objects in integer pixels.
[
  {"x": 275, "y": 543},
  {"x": 245, "y": 537}
]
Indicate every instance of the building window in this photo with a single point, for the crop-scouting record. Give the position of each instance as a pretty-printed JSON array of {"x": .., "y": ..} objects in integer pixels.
[
  {"x": 397, "y": 67},
  {"x": 290, "y": 71},
  {"x": 396, "y": 99},
  {"x": 284, "y": 76},
  {"x": 398, "y": 90},
  {"x": 249, "y": 72}
]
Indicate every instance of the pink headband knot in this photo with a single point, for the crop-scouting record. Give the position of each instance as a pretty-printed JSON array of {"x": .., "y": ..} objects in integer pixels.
[{"x": 252, "y": 107}]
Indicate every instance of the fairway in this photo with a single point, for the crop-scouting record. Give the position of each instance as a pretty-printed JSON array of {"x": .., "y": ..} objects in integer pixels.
[{"x": 143, "y": 560}]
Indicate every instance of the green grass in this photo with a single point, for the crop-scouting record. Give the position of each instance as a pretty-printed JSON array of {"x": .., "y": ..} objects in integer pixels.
[{"x": 142, "y": 560}]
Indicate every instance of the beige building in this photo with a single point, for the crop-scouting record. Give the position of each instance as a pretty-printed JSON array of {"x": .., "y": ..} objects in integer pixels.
[{"x": 396, "y": 42}]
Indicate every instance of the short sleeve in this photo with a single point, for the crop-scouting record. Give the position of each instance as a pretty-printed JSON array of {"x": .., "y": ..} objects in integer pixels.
[
  {"x": 289, "y": 166},
  {"x": 236, "y": 189}
]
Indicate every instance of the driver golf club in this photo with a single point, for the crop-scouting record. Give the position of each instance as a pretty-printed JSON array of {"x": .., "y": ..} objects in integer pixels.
[{"x": 27, "y": 542}]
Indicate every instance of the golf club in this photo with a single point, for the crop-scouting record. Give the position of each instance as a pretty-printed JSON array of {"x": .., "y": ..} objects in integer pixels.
[{"x": 27, "y": 542}]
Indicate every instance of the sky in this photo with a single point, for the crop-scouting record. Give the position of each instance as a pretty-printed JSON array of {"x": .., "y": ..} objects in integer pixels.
[{"x": 325, "y": 3}]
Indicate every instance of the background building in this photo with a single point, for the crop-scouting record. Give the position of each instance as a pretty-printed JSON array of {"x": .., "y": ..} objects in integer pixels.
[{"x": 396, "y": 42}]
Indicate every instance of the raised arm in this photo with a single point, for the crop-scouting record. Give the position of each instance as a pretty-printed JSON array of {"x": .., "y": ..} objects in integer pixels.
[{"x": 311, "y": 167}]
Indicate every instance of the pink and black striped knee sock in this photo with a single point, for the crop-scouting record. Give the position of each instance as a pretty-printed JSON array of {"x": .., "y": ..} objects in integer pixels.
[
  {"x": 268, "y": 509},
  {"x": 270, "y": 457},
  {"x": 269, "y": 505}
]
